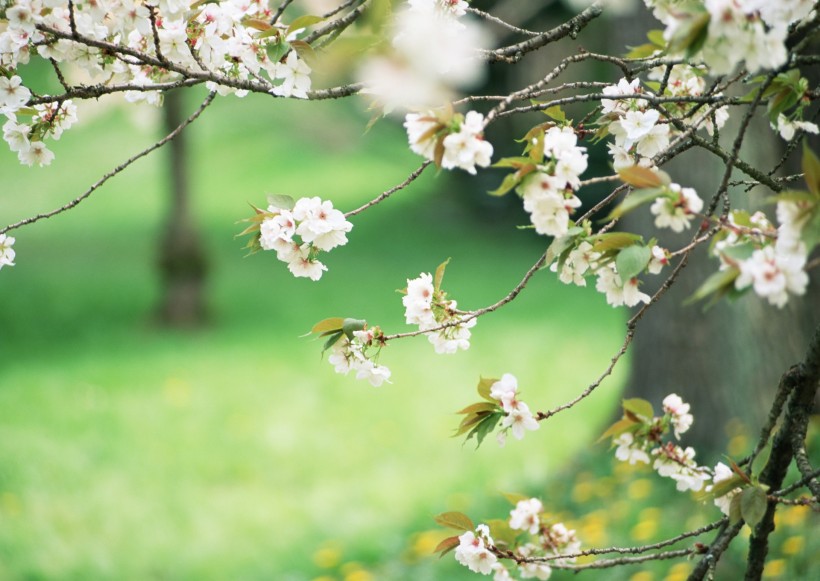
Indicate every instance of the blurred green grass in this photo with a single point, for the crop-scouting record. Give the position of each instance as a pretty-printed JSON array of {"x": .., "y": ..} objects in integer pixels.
[{"x": 129, "y": 451}]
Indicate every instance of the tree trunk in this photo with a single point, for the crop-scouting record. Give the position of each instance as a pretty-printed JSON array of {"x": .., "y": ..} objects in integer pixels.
[
  {"x": 725, "y": 361},
  {"x": 182, "y": 262}
]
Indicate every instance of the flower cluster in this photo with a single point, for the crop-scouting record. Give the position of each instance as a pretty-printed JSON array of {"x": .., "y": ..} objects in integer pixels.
[
  {"x": 428, "y": 307},
  {"x": 677, "y": 208},
  {"x": 640, "y": 133},
  {"x": 473, "y": 550},
  {"x": 476, "y": 550},
  {"x": 434, "y": 52},
  {"x": 771, "y": 262},
  {"x": 618, "y": 291},
  {"x": 47, "y": 121},
  {"x": 230, "y": 40},
  {"x": 687, "y": 81},
  {"x": 550, "y": 540},
  {"x": 638, "y": 437},
  {"x": 548, "y": 192},
  {"x": 6, "y": 251},
  {"x": 518, "y": 416},
  {"x": 318, "y": 226},
  {"x": 449, "y": 140},
  {"x": 357, "y": 353},
  {"x": 753, "y": 31}
]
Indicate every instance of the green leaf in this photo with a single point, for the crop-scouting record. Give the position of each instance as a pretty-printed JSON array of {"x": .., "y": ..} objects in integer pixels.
[
  {"x": 635, "y": 199},
  {"x": 618, "y": 428},
  {"x": 325, "y": 325},
  {"x": 724, "y": 487},
  {"x": 501, "y": 532},
  {"x": 455, "y": 520},
  {"x": 655, "y": 36},
  {"x": 792, "y": 196},
  {"x": 811, "y": 231},
  {"x": 350, "y": 325},
  {"x": 632, "y": 260},
  {"x": 690, "y": 34},
  {"x": 303, "y": 22},
  {"x": 484, "y": 387},
  {"x": 739, "y": 252},
  {"x": 641, "y": 51},
  {"x": 614, "y": 241},
  {"x": 510, "y": 181},
  {"x": 559, "y": 245},
  {"x": 439, "y": 275},
  {"x": 753, "y": 505},
  {"x": 811, "y": 168},
  {"x": 555, "y": 112},
  {"x": 486, "y": 426},
  {"x": 446, "y": 545},
  {"x": 643, "y": 177},
  {"x": 516, "y": 162},
  {"x": 720, "y": 282},
  {"x": 639, "y": 407},
  {"x": 331, "y": 340},
  {"x": 735, "y": 514},
  {"x": 281, "y": 201}
]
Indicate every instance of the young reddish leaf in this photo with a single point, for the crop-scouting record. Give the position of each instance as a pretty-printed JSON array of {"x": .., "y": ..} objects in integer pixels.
[
  {"x": 753, "y": 505},
  {"x": 811, "y": 167},
  {"x": 618, "y": 428},
  {"x": 332, "y": 324},
  {"x": 446, "y": 545},
  {"x": 455, "y": 520},
  {"x": 439, "y": 275},
  {"x": 639, "y": 407},
  {"x": 614, "y": 241},
  {"x": 642, "y": 177},
  {"x": 734, "y": 510},
  {"x": 514, "y": 497},
  {"x": 482, "y": 406},
  {"x": 304, "y": 50},
  {"x": 485, "y": 385},
  {"x": 257, "y": 24},
  {"x": 635, "y": 199}
]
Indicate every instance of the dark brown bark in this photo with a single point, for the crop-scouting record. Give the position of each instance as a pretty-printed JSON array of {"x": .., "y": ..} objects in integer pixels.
[{"x": 182, "y": 259}]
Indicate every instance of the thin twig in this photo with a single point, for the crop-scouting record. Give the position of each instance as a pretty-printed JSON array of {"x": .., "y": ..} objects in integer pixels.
[{"x": 116, "y": 170}]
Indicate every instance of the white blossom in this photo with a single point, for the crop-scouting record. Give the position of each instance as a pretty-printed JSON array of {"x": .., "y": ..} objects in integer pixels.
[
  {"x": 526, "y": 516},
  {"x": 6, "y": 251},
  {"x": 473, "y": 553},
  {"x": 678, "y": 211},
  {"x": 628, "y": 450}
]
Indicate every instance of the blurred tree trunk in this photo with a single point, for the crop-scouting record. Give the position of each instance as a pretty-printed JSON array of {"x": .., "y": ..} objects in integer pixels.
[
  {"x": 182, "y": 261},
  {"x": 726, "y": 361}
]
